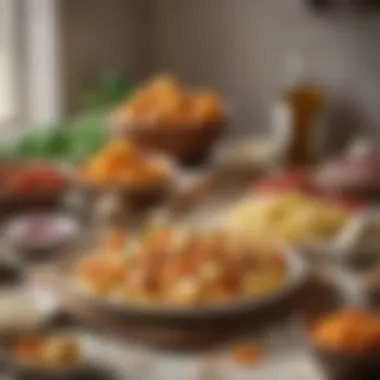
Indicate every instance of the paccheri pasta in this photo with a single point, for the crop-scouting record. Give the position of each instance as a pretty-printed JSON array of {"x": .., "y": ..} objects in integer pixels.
[{"x": 181, "y": 267}]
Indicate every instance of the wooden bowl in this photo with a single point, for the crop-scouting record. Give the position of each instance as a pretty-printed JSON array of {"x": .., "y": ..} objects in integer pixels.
[
  {"x": 187, "y": 143},
  {"x": 43, "y": 198},
  {"x": 138, "y": 194}
]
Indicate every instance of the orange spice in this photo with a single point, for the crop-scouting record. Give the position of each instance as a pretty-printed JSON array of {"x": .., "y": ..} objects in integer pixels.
[{"x": 247, "y": 354}]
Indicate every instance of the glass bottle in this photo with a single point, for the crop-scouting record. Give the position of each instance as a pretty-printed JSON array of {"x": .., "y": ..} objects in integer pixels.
[{"x": 298, "y": 112}]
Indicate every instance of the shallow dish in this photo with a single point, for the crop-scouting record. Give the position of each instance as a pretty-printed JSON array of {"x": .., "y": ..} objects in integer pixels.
[
  {"x": 250, "y": 154},
  {"x": 39, "y": 232},
  {"x": 67, "y": 290},
  {"x": 138, "y": 193}
]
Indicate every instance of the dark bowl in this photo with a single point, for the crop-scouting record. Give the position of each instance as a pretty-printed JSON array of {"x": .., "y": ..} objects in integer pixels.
[
  {"x": 344, "y": 366},
  {"x": 341, "y": 365},
  {"x": 22, "y": 371},
  {"x": 174, "y": 326},
  {"x": 43, "y": 198},
  {"x": 186, "y": 143}
]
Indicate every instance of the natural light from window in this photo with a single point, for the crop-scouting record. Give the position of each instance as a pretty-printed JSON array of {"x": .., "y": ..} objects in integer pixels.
[{"x": 7, "y": 102}]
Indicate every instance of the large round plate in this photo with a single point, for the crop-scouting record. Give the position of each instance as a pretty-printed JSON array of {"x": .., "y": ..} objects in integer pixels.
[{"x": 69, "y": 292}]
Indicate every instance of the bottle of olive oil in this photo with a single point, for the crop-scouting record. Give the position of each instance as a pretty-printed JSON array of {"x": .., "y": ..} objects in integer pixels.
[{"x": 298, "y": 112}]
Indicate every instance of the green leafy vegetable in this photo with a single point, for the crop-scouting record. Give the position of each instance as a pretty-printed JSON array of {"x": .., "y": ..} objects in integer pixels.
[{"x": 78, "y": 138}]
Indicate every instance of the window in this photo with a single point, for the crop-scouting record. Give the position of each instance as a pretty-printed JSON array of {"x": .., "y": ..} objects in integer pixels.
[{"x": 7, "y": 62}]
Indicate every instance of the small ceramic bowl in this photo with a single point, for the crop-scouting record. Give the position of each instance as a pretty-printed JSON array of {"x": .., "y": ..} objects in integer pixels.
[
  {"x": 341, "y": 365},
  {"x": 38, "y": 233}
]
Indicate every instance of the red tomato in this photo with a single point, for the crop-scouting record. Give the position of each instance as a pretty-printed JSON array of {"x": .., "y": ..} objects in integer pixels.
[
  {"x": 35, "y": 179},
  {"x": 298, "y": 180},
  {"x": 284, "y": 180}
]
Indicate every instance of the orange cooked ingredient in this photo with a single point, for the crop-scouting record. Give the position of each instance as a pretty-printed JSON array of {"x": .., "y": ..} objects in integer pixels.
[
  {"x": 120, "y": 162},
  {"x": 101, "y": 274},
  {"x": 54, "y": 350},
  {"x": 183, "y": 267},
  {"x": 114, "y": 240},
  {"x": 164, "y": 101},
  {"x": 351, "y": 330},
  {"x": 27, "y": 347},
  {"x": 247, "y": 354}
]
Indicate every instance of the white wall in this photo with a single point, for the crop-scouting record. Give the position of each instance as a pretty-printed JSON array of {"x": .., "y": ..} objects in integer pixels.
[
  {"x": 103, "y": 34},
  {"x": 239, "y": 46}
]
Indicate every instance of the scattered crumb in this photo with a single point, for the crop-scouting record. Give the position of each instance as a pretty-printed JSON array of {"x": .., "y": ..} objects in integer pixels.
[
  {"x": 247, "y": 354},
  {"x": 115, "y": 239}
]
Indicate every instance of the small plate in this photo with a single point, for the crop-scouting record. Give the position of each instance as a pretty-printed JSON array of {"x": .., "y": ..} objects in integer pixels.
[
  {"x": 137, "y": 193},
  {"x": 357, "y": 243},
  {"x": 39, "y": 232},
  {"x": 247, "y": 154}
]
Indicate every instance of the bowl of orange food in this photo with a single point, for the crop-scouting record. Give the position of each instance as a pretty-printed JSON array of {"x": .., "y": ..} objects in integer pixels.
[
  {"x": 164, "y": 116},
  {"x": 177, "y": 274},
  {"x": 121, "y": 166},
  {"x": 44, "y": 354},
  {"x": 346, "y": 342}
]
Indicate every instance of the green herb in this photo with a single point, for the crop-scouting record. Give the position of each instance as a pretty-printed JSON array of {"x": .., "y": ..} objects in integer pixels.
[{"x": 78, "y": 138}]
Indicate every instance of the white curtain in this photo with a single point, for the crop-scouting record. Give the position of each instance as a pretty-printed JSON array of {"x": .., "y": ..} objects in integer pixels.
[{"x": 43, "y": 63}]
